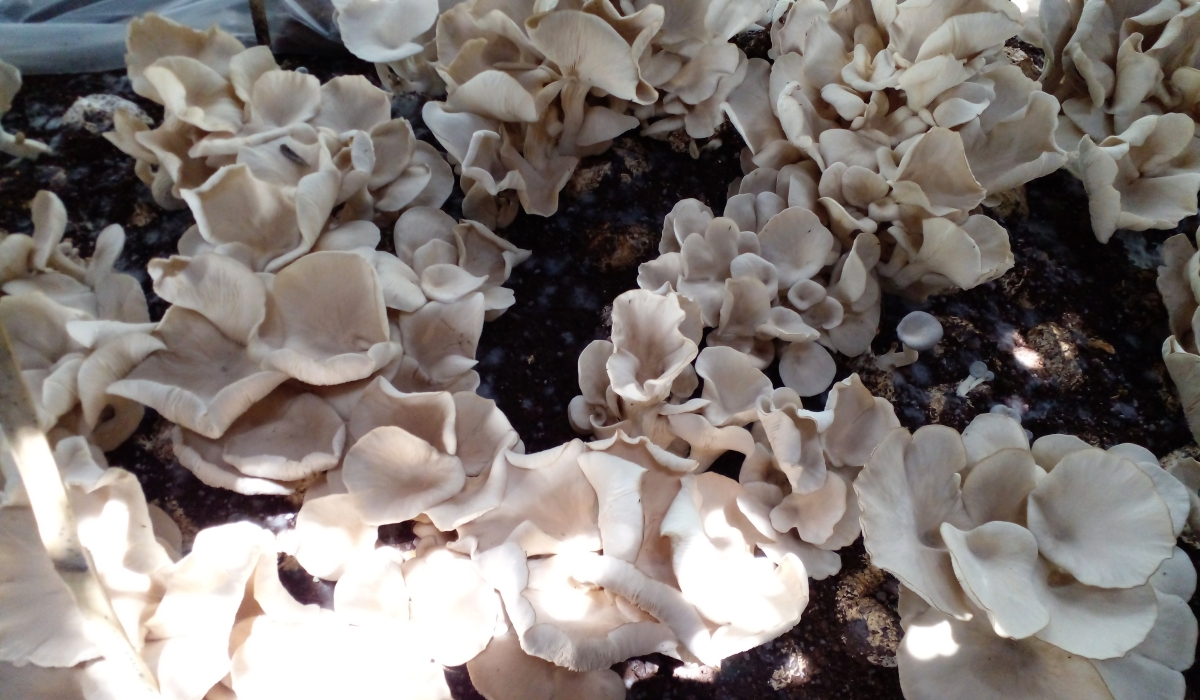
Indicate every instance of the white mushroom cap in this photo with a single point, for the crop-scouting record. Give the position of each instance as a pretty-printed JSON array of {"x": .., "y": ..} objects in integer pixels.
[
  {"x": 726, "y": 583},
  {"x": 202, "y": 381},
  {"x": 188, "y": 635},
  {"x": 1097, "y": 623},
  {"x": 996, "y": 563},
  {"x": 650, "y": 350},
  {"x": 907, "y": 490},
  {"x": 860, "y": 422},
  {"x": 395, "y": 475},
  {"x": 808, "y": 368},
  {"x": 326, "y": 321},
  {"x": 289, "y": 435},
  {"x": 454, "y": 611},
  {"x": 530, "y": 516},
  {"x": 732, "y": 384},
  {"x": 941, "y": 657},
  {"x": 1099, "y": 516},
  {"x": 919, "y": 330},
  {"x": 503, "y": 671}
]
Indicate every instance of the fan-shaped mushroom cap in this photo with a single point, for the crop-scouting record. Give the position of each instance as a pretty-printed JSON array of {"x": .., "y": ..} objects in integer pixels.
[
  {"x": 271, "y": 224},
  {"x": 650, "y": 350},
  {"x": 860, "y": 422},
  {"x": 289, "y": 435},
  {"x": 526, "y": 516},
  {"x": 326, "y": 321},
  {"x": 216, "y": 286},
  {"x": 721, "y": 577},
  {"x": 204, "y": 457},
  {"x": 187, "y": 642},
  {"x": 454, "y": 610},
  {"x": 203, "y": 380},
  {"x": 919, "y": 330},
  {"x": 996, "y": 563},
  {"x": 195, "y": 93},
  {"x": 1098, "y": 516},
  {"x": 997, "y": 486},
  {"x": 732, "y": 384},
  {"x": 395, "y": 475},
  {"x": 1098, "y": 623},
  {"x": 941, "y": 657},
  {"x": 331, "y": 534},
  {"x": 814, "y": 514},
  {"x": 503, "y": 671},
  {"x": 382, "y": 32},
  {"x": 907, "y": 489},
  {"x": 440, "y": 340},
  {"x": 571, "y": 625},
  {"x": 152, "y": 37}
]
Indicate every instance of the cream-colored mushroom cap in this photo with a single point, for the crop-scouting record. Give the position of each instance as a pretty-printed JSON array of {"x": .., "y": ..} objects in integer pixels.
[
  {"x": 1099, "y": 516},
  {"x": 454, "y": 610},
  {"x": 996, "y": 564},
  {"x": 650, "y": 350},
  {"x": 919, "y": 330},
  {"x": 941, "y": 657},
  {"x": 503, "y": 671},
  {"x": 326, "y": 321},
  {"x": 907, "y": 489}
]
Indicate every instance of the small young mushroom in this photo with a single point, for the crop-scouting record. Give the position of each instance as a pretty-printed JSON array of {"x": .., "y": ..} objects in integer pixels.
[{"x": 917, "y": 331}]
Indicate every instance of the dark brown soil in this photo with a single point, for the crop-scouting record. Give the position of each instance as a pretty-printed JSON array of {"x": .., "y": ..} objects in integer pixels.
[{"x": 1090, "y": 312}]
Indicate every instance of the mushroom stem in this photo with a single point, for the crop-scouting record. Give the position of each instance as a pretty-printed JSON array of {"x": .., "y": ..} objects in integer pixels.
[
  {"x": 56, "y": 522},
  {"x": 258, "y": 15}
]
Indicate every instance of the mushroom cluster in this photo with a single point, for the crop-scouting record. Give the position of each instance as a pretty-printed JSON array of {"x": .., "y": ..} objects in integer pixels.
[
  {"x": 239, "y": 127},
  {"x": 15, "y": 144},
  {"x": 216, "y": 623},
  {"x": 898, "y": 121},
  {"x": 266, "y": 354},
  {"x": 1043, "y": 570},
  {"x": 76, "y": 326},
  {"x": 796, "y": 464},
  {"x": 1128, "y": 77},
  {"x": 533, "y": 87}
]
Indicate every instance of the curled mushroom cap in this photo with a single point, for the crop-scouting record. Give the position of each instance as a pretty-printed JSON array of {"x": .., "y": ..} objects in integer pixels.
[
  {"x": 649, "y": 349},
  {"x": 919, "y": 330},
  {"x": 202, "y": 380},
  {"x": 907, "y": 489}
]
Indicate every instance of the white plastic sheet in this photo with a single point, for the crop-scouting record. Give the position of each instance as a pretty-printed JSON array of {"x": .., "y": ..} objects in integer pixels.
[{"x": 82, "y": 36}]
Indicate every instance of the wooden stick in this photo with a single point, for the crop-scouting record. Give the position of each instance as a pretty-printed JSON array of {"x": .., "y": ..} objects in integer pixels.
[
  {"x": 258, "y": 15},
  {"x": 56, "y": 523}
]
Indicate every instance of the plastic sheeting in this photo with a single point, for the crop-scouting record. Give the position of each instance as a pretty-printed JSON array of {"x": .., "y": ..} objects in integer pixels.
[{"x": 83, "y": 36}]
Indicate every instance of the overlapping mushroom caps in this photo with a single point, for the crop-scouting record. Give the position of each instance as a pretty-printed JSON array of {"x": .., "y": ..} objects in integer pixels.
[
  {"x": 898, "y": 121},
  {"x": 214, "y": 623},
  {"x": 243, "y": 138},
  {"x": 15, "y": 144},
  {"x": 76, "y": 325},
  {"x": 1128, "y": 77},
  {"x": 268, "y": 348},
  {"x": 533, "y": 87},
  {"x": 1058, "y": 557},
  {"x": 797, "y": 464}
]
